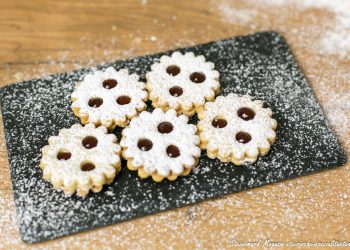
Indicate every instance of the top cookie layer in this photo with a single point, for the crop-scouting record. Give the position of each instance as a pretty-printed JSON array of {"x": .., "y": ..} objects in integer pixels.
[
  {"x": 183, "y": 82},
  {"x": 109, "y": 98}
]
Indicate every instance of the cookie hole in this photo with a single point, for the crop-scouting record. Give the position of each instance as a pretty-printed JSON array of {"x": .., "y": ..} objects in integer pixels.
[
  {"x": 197, "y": 77},
  {"x": 89, "y": 142},
  {"x": 87, "y": 166},
  {"x": 246, "y": 113},
  {"x": 265, "y": 105},
  {"x": 95, "y": 102},
  {"x": 145, "y": 144},
  {"x": 243, "y": 137},
  {"x": 173, "y": 151},
  {"x": 165, "y": 127},
  {"x": 64, "y": 155},
  {"x": 123, "y": 100},
  {"x": 173, "y": 70},
  {"x": 109, "y": 83},
  {"x": 219, "y": 123},
  {"x": 176, "y": 91}
]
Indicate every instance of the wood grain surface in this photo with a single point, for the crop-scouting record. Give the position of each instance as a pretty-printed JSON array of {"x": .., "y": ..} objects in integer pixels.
[{"x": 39, "y": 38}]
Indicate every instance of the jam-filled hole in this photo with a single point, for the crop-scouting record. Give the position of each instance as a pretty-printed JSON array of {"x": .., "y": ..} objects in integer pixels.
[
  {"x": 95, "y": 102},
  {"x": 64, "y": 155},
  {"x": 176, "y": 91},
  {"x": 219, "y": 123},
  {"x": 123, "y": 100},
  {"x": 173, "y": 151},
  {"x": 109, "y": 83},
  {"x": 89, "y": 142},
  {"x": 246, "y": 113},
  {"x": 243, "y": 137},
  {"x": 87, "y": 166},
  {"x": 165, "y": 127},
  {"x": 173, "y": 70},
  {"x": 144, "y": 144},
  {"x": 197, "y": 77}
]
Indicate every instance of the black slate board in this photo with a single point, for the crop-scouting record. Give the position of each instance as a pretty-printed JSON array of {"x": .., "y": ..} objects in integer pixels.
[{"x": 260, "y": 65}]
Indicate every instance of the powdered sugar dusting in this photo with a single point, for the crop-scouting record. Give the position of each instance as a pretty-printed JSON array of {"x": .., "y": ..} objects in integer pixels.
[
  {"x": 260, "y": 65},
  {"x": 332, "y": 37},
  {"x": 292, "y": 210}
]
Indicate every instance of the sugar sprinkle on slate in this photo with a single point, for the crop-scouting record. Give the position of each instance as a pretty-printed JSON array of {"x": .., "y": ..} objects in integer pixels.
[{"x": 260, "y": 65}]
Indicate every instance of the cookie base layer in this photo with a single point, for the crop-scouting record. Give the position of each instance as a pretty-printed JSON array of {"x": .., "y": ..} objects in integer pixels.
[
  {"x": 212, "y": 154},
  {"x": 81, "y": 190},
  {"x": 155, "y": 176}
]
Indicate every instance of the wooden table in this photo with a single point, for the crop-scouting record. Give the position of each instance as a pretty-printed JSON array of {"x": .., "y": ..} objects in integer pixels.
[{"x": 40, "y": 37}]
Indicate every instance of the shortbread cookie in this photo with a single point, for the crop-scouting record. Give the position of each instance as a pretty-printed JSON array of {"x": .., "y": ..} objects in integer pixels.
[
  {"x": 161, "y": 145},
  {"x": 81, "y": 159},
  {"x": 109, "y": 98},
  {"x": 182, "y": 82},
  {"x": 236, "y": 129}
]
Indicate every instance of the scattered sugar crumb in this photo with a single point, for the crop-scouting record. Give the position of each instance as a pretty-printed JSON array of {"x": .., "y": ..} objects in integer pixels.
[
  {"x": 153, "y": 38},
  {"x": 19, "y": 76},
  {"x": 144, "y": 2}
]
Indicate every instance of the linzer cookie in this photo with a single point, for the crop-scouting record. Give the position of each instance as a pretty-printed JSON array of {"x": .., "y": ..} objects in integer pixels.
[
  {"x": 236, "y": 129},
  {"x": 160, "y": 144},
  {"x": 183, "y": 82},
  {"x": 81, "y": 159},
  {"x": 110, "y": 98}
]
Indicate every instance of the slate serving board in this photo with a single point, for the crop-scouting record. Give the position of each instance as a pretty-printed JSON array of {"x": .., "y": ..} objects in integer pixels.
[{"x": 260, "y": 65}]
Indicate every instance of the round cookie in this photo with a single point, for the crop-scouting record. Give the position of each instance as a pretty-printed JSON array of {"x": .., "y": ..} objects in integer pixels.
[
  {"x": 183, "y": 82},
  {"x": 236, "y": 129},
  {"x": 109, "y": 98},
  {"x": 160, "y": 144},
  {"x": 81, "y": 159}
]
